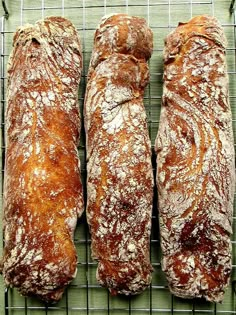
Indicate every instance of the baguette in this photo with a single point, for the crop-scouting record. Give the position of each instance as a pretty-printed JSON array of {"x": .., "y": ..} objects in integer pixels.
[
  {"x": 120, "y": 179},
  {"x": 42, "y": 186},
  {"x": 195, "y": 161}
]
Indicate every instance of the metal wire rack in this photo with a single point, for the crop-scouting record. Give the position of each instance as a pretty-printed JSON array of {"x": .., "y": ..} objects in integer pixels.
[{"x": 84, "y": 295}]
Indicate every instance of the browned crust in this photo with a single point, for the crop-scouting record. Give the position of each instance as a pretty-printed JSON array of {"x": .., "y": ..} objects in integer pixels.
[
  {"x": 195, "y": 161},
  {"x": 120, "y": 179},
  {"x": 42, "y": 187}
]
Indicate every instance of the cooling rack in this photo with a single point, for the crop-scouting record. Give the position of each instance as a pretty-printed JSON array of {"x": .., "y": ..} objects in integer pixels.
[{"x": 84, "y": 296}]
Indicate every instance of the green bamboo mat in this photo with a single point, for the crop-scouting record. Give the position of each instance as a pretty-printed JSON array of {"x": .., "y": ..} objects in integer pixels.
[{"x": 84, "y": 296}]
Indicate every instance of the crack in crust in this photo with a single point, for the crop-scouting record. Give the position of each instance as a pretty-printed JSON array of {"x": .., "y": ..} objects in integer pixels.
[
  {"x": 120, "y": 179},
  {"x": 195, "y": 161},
  {"x": 42, "y": 187}
]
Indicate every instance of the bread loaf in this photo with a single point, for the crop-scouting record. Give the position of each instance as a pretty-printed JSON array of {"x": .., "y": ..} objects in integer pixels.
[
  {"x": 195, "y": 161},
  {"x": 120, "y": 179},
  {"x": 42, "y": 187}
]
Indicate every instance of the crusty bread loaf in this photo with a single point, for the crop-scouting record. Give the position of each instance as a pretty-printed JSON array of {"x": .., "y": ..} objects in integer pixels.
[
  {"x": 42, "y": 188},
  {"x": 120, "y": 179},
  {"x": 195, "y": 161}
]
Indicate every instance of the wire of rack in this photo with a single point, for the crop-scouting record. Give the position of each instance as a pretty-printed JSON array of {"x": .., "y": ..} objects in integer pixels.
[{"x": 84, "y": 295}]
